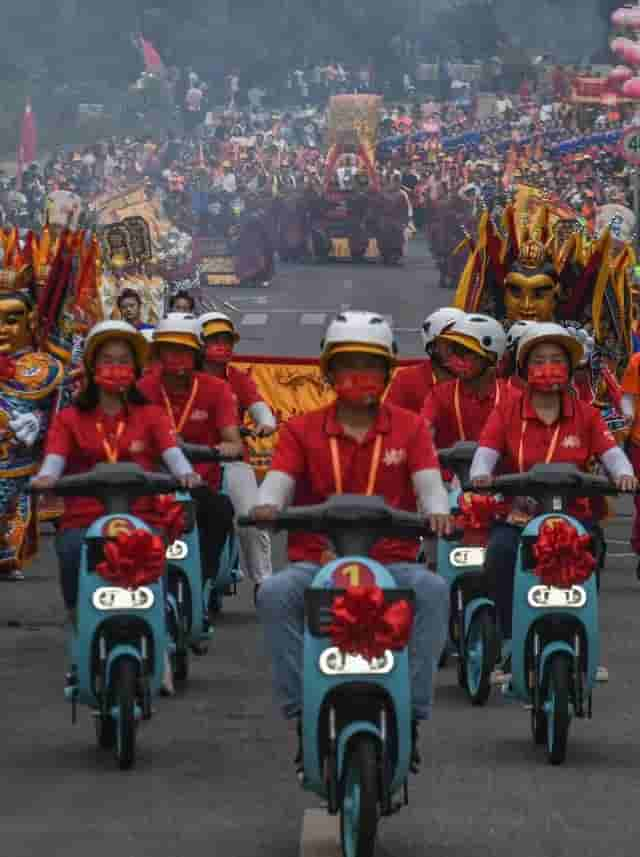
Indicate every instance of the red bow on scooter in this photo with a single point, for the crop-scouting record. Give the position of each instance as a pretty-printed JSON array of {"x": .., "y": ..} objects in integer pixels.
[
  {"x": 477, "y": 513},
  {"x": 364, "y": 624},
  {"x": 133, "y": 559},
  {"x": 173, "y": 519},
  {"x": 562, "y": 556}
]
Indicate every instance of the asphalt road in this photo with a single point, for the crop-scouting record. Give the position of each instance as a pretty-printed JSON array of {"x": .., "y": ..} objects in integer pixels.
[{"x": 214, "y": 773}]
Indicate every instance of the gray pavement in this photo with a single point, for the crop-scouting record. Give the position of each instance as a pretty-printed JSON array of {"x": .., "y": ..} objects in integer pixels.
[{"x": 214, "y": 773}]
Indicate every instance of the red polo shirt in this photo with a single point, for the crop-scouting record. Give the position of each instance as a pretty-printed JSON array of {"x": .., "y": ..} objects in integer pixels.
[
  {"x": 139, "y": 435},
  {"x": 244, "y": 389},
  {"x": 581, "y": 435},
  {"x": 411, "y": 385},
  {"x": 304, "y": 453},
  {"x": 197, "y": 418},
  {"x": 456, "y": 412}
]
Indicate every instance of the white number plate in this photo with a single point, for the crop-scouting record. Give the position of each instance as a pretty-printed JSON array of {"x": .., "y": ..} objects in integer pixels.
[
  {"x": 177, "y": 550},
  {"x": 463, "y": 557},
  {"x": 551, "y": 596},
  {"x": 333, "y": 662},
  {"x": 115, "y": 598}
]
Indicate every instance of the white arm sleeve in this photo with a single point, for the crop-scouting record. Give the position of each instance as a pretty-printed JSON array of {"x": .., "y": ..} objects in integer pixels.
[
  {"x": 617, "y": 463},
  {"x": 53, "y": 465},
  {"x": 484, "y": 462},
  {"x": 628, "y": 405},
  {"x": 430, "y": 491},
  {"x": 177, "y": 462},
  {"x": 262, "y": 414},
  {"x": 276, "y": 490}
]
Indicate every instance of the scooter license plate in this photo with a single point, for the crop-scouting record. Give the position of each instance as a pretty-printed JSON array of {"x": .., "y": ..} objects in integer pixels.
[
  {"x": 551, "y": 596},
  {"x": 334, "y": 663},
  {"x": 177, "y": 550},
  {"x": 115, "y": 598},
  {"x": 465, "y": 557}
]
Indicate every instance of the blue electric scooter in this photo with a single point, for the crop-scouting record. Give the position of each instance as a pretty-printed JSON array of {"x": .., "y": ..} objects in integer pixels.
[
  {"x": 555, "y": 645},
  {"x": 472, "y": 622},
  {"x": 356, "y": 725},
  {"x": 119, "y": 639},
  {"x": 188, "y": 598}
]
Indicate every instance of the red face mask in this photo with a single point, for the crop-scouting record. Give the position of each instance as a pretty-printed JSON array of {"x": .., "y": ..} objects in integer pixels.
[
  {"x": 115, "y": 379},
  {"x": 359, "y": 386},
  {"x": 464, "y": 368},
  {"x": 218, "y": 353},
  {"x": 548, "y": 377},
  {"x": 177, "y": 363}
]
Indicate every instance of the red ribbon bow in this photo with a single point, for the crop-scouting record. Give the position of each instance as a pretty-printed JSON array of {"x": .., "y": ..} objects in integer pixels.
[
  {"x": 7, "y": 368},
  {"x": 364, "y": 624},
  {"x": 562, "y": 556},
  {"x": 477, "y": 513},
  {"x": 133, "y": 559},
  {"x": 172, "y": 513}
]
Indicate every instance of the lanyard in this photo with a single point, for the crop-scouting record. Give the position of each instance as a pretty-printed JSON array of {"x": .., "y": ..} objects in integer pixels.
[
  {"x": 187, "y": 408},
  {"x": 110, "y": 451},
  {"x": 456, "y": 404},
  {"x": 550, "y": 451},
  {"x": 373, "y": 470}
]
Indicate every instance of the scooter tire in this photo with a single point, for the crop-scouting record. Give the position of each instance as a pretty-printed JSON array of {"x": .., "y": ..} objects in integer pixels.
[
  {"x": 558, "y": 694},
  {"x": 479, "y": 664},
  {"x": 124, "y": 693},
  {"x": 105, "y": 732},
  {"x": 359, "y": 807}
]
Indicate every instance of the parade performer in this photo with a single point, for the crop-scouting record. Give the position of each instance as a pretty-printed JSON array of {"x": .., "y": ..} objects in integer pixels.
[
  {"x": 355, "y": 445},
  {"x": 110, "y": 421},
  {"x": 410, "y": 386},
  {"x": 202, "y": 410},
  {"x": 29, "y": 381},
  {"x": 457, "y": 410},
  {"x": 543, "y": 423},
  {"x": 218, "y": 336}
]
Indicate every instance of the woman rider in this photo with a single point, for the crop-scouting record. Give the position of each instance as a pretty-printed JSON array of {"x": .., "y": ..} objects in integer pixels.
[
  {"x": 110, "y": 421},
  {"x": 545, "y": 422},
  {"x": 218, "y": 336}
]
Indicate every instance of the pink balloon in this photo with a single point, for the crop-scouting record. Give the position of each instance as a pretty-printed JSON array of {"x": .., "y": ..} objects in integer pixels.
[
  {"x": 627, "y": 49},
  {"x": 620, "y": 74},
  {"x": 626, "y": 18},
  {"x": 632, "y": 88}
]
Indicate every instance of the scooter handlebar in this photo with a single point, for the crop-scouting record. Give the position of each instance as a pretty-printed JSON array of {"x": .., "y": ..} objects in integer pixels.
[
  {"x": 197, "y": 453},
  {"x": 107, "y": 479},
  {"x": 545, "y": 480}
]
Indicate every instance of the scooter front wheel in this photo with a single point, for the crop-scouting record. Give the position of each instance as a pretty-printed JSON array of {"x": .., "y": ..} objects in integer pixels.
[
  {"x": 359, "y": 806},
  {"x": 558, "y": 708},
  {"x": 480, "y": 656},
  {"x": 124, "y": 692}
]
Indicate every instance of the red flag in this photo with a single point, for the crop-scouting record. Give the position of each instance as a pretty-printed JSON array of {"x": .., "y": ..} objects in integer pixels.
[
  {"x": 152, "y": 60},
  {"x": 28, "y": 141}
]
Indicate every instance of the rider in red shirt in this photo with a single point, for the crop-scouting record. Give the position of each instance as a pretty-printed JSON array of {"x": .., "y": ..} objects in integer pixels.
[
  {"x": 410, "y": 386},
  {"x": 218, "y": 336},
  {"x": 356, "y": 445},
  {"x": 201, "y": 410},
  {"x": 457, "y": 410}
]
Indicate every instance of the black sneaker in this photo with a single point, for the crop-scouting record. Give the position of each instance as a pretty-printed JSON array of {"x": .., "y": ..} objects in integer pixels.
[{"x": 416, "y": 758}]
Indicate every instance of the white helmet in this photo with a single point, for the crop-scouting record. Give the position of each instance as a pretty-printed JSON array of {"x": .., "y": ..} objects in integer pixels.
[
  {"x": 438, "y": 322},
  {"x": 586, "y": 340},
  {"x": 547, "y": 331},
  {"x": 517, "y": 329},
  {"x": 356, "y": 331},
  {"x": 479, "y": 333},
  {"x": 178, "y": 328},
  {"x": 211, "y": 323},
  {"x": 107, "y": 330}
]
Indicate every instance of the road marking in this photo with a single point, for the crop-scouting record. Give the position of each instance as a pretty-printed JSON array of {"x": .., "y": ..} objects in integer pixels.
[
  {"x": 320, "y": 834},
  {"x": 313, "y": 318},
  {"x": 254, "y": 318}
]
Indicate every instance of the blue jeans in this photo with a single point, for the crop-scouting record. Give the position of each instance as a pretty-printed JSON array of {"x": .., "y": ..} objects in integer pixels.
[{"x": 281, "y": 611}]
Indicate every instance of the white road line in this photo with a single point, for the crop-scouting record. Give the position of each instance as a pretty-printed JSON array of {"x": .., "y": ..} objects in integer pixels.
[
  {"x": 254, "y": 318},
  {"x": 320, "y": 834},
  {"x": 313, "y": 318}
]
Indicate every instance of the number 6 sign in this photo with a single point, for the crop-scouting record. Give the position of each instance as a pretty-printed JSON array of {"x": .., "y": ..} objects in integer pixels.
[{"x": 631, "y": 146}]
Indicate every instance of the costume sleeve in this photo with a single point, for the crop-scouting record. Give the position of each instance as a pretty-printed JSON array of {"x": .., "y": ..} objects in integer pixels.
[
  {"x": 60, "y": 439},
  {"x": 421, "y": 453}
]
